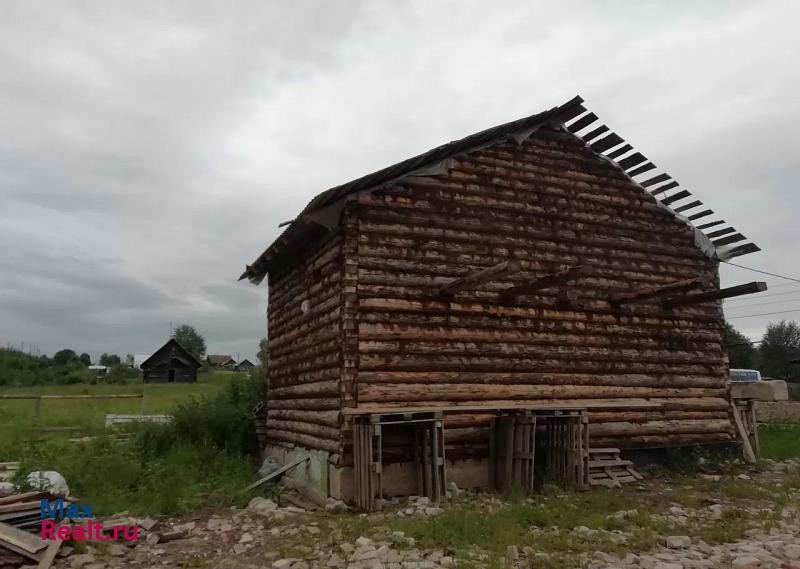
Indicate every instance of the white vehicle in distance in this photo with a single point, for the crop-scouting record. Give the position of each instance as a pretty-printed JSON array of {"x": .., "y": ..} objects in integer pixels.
[{"x": 745, "y": 375}]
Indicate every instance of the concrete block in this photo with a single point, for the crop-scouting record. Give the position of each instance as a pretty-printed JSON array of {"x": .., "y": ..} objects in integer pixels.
[{"x": 767, "y": 390}]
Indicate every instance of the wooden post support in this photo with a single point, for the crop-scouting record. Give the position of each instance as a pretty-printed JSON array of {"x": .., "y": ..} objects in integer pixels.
[
  {"x": 749, "y": 455},
  {"x": 729, "y": 292},
  {"x": 654, "y": 291},
  {"x": 478, "y": 277},
  {"x": 546, "y": 281}
]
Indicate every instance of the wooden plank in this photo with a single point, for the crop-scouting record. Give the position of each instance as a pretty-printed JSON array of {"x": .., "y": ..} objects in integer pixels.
[
  {"x": 729, "y": 292},
  {"x": 742, "y": 250},
  {"x": 632, "y": 160},
  {"x": 582, "y": 122},
  {"x": 749, "y": 455},
  {"x": 620, "y": 151},
  {"x": 19, "y": 507},
  {"x": 704, "y": 213},
  {"x": 49, "y": 555},
  {"x": 479, "y": 277},
  {"x": 21, "y": 539},
  {"x": 571, "y": 113},
  {"x": 545, "y": 281},
  {"x": 710, "y": 224},
  {"x": 676, "y": 196},
  {"x": 688, "y": 206},
  {"x": 655, "y": 180},
  {"x": 595, "y": 133},
  {"x": 664, "y": 188},
  {"x": 605, "y": 463},
  {"x": 735, "y": 238},
  {"x": 641, "y": 169},
  {"x": 655, "y": 291},
  {"x": 24, "y": 497},
  {"x": 720, "y": 232},
  {"x": 607, "y": 142},
  {"x": 277, "y": 473}
]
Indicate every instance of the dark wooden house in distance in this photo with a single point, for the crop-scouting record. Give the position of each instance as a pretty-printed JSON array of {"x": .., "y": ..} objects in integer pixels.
[
  {"x": 541, "y": 267},
  {"x": 245, "y": 365},
  {"x": 171, "y": 363},
  {"x": 220, "y": 360}
]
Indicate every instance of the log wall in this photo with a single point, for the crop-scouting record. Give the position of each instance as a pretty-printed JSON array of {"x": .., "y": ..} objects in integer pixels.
[
  {"x": 305, "y": 348},
  {"x": 548, "y": 204}
]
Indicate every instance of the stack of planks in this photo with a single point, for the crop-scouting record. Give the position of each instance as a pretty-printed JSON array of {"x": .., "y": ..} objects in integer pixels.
[
  {"x": 20, "y": 519},
  {"x": 607, "y": 468}
]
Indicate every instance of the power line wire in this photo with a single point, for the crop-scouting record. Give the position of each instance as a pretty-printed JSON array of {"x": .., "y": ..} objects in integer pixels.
[
  {"x": 762, "y": 272},
  {"x": 746, "y": 306},
  {"x": 760, "y": 296},
  {"x": 762, "y": 314}
]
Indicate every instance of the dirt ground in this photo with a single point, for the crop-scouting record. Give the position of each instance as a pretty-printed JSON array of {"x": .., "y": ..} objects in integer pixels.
[{"x": 722, "y": 516}]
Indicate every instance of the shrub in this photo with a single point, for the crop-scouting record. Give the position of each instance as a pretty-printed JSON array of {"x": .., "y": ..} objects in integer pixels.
[{"x": 224, "y": 423}]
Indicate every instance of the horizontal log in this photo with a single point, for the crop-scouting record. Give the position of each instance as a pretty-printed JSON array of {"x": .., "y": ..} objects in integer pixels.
[
  {"x": 522, "y": 378},
  {"x": 328, "y": 418},
  {"x": 302, "y": 427},
  {"x": 318, "y": 404},
  {"x": 661, "y": 441},
  {"x": 303, "y": 440},
  {"x": 489, "y": 347},
  {"x": 683, "y": 426},
  {"x": 437, "y": 307},
  {"x": 461, "y": 407},
  {"x": 505, "y": 331},
  {"x": 449, "y": 393},
  {"x": 317, "y": 389}
]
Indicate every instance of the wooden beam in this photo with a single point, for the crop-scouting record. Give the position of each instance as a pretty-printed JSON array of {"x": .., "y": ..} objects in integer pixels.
[
  {"x": 478, "y": 277},
  {"x": 654, "y": 291},
  {"x": 546, "y": 281},
  {"x": 747, "y": 449},
  {"x": 729, "y": 292},
  {"x": 277, "y": 473}
]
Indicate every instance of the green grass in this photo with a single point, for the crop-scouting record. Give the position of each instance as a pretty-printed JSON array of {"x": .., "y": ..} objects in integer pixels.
[
  {"x": 16, "y": 416},
  {"x": 462, "y": 526},
  {"x": 780, "y": 442},
  {"x": 200, "y": 460}
]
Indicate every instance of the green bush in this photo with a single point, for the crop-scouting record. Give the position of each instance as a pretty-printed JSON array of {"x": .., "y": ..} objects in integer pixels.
[{"x": 224, "y": 423}]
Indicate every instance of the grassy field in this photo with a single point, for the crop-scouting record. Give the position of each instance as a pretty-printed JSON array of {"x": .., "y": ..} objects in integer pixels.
[
  {"x": 201, "y": 459},
  {"x": 779, "y": 442},
  {"x": 16, "y": 416}
]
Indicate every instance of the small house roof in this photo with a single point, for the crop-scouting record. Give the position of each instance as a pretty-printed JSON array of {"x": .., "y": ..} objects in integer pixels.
[
  {"x": 322, "y": 212},
  {"x": 219, "y": 359},
  {"x": 178, "y": 352}
]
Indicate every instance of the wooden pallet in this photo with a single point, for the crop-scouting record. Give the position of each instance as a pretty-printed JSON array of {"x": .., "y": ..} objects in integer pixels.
[
  {"x": 427, "y": 432},
  {"x": 607, "y": 468},
  {"x": 512, "y": 450}
]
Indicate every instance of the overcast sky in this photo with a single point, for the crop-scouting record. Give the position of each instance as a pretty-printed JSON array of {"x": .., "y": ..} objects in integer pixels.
[{"x": 148, "y": 150}]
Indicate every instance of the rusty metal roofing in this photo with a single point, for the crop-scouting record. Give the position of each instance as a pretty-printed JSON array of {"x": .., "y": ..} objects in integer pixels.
[{"x": 576, "y": 120}]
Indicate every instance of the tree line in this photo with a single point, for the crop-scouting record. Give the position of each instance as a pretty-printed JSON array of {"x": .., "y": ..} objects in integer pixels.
[{"x": 772, "y": 355}]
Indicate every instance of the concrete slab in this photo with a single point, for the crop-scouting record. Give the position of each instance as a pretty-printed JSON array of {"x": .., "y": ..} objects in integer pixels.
[{"x": 767, "y": 390}]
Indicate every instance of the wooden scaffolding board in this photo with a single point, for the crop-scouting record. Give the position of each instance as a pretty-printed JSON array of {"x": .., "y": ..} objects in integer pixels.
[
  {"x": 427, "y": 431},
  {"x": 512, "y": 450},
  {"x": 566, "y": 445},
  {"x": 606, "y": 467},
  {"x": 747, "y": 427}
]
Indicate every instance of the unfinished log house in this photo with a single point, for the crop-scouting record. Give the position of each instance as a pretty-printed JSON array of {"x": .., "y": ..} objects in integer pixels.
[{"x": 542, "y": 264}]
